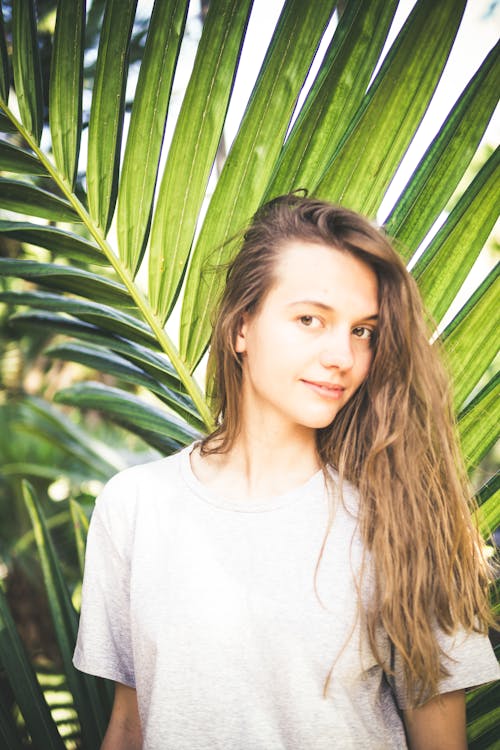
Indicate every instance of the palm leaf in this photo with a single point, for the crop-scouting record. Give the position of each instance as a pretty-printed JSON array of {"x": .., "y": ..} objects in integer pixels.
[
  {"x": 93, "y": 714},
  {"x": 24, "y": 684},
  {"x": 66, "y": 85},
  {"x": 198, "y": 132},
  {"x": 335, "y": 96},
  {"x": 26, "y": 66},
  {"x": 147, "y": 124},
  {"x": 106, "y": 114},
  {"x": 447, "y": 261},
  {"x": 445, "y": 161},
  {"x": 249, "y": 166}
]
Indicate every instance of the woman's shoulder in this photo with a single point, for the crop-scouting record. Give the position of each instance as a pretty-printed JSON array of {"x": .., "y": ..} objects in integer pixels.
[{"x": 123, "y": 491}]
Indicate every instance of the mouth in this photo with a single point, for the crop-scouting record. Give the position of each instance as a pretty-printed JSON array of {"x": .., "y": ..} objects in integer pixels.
[{"x": 333, "y": 391}]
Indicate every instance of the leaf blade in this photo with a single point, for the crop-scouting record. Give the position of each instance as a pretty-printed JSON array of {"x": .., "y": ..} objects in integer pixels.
[
  {"x": 66, "y": 86},
  {"x": 28, "y": 199},
  {"x": 445, "y": 264},
  {"x": 472, "y": 338},
  {"x": 26, "y": 66},
  {"x": 335, "y": 95},
  {"x": 54, "y": 239},
  {"x": 445, "y": 161},
  {"x": 106, "y": 113},
  {"x": 367, "y": 159},
  {"x": 198, "y": 131},
  {"x": 250, "y": 162},
  {"x": 24, "y": 684},
  {"x": 147, "y": 124}
]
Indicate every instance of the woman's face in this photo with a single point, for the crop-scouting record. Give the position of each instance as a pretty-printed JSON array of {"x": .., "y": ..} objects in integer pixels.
[{"x": 308, "y": 347}]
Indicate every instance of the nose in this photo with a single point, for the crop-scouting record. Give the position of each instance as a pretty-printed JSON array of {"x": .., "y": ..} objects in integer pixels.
[{"x": 337, "y": 350}]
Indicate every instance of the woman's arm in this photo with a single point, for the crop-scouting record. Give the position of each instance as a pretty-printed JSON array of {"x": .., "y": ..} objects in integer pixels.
[
  {"x": 439, "y": 724},
  {"x": 124, "y": 729}
]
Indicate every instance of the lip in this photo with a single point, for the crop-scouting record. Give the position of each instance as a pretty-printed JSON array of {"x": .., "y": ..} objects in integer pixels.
[{"x": 325, "y": 389}]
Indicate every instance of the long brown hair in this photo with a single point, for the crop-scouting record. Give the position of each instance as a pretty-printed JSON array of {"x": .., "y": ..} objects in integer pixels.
[{"x": 394, "y": 440}]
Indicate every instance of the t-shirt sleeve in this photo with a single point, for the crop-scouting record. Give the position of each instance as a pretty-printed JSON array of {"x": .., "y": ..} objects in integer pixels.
[
  {"x": 470, "y": 661},
  {"x": 104, "y": 646}
]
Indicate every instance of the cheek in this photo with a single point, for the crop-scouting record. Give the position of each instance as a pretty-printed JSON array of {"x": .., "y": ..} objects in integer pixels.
[{"x": 364, "y": 364}]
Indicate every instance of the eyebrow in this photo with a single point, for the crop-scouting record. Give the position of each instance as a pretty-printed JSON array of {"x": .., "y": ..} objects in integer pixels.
[{"x": 328, "y": 308}]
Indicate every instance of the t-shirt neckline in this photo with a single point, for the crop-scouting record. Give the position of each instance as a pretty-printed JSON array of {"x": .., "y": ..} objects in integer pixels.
[{"x": 265, "y": 504}]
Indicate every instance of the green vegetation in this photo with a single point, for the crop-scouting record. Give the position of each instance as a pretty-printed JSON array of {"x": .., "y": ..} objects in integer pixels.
[{"x": 105, "y": 248}]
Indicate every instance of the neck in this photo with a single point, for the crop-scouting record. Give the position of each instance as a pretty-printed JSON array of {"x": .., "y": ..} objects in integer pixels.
[{"x": 265, "y": 460}]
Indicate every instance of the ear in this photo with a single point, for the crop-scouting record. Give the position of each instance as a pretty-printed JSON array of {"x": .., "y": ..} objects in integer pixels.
[{"x": 240, "y": 345}]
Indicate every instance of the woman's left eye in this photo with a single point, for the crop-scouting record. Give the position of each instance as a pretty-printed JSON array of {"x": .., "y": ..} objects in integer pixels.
[
  {"x": 362, "y": 332},
  {"x": 309, "y": 321}
]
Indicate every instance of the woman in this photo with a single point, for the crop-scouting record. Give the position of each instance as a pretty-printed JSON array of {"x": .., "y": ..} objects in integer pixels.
[{"x": 307, "y": 576}]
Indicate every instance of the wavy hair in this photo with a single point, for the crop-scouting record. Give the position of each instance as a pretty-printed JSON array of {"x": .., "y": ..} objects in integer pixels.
[{"x": 395, "y": 440}]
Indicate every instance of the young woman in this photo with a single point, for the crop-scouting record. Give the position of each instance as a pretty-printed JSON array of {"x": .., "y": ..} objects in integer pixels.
[{"x": 307, "y": 576}]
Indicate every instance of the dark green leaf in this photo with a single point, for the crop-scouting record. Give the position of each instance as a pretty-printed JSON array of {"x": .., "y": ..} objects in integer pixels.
[
  {"x": 94, "y": 457},
  {"x": 197, "y": 132},
  {"x": 106, "y": 114},
  {"x": 68, "y": 279},
  {"x": 250, "y": 162},
  {"x": 26, "y": 66},
  {"x": 373, "y": 147},
  {"x": 66, "y": 85},
  {"x": 6, "y": 124},
  {"x": 103, "y": 316},
  {"x": 444, "y": 266},
  {"x": 155, "y": 364},
  {"x": 160, "y": 429},
  {"x": 488, "y": 513},
  {"x": 56, "y": 240},
  {"x": 14, "y": 159},
  {"x": 28, "y": 199},
  {"x": 112, "y": 364},
  {"x": 445, "y": 161},
  {"x": 24, "y": 684},
  {"x": 335, "y": 96},
  {"x": 9, "y": 734},
  {"x": 93, "y": 716},
  {"x": 147, "y": 124},
  {"x": 473, "y": 337},
  {"x": 81, "y": 527},
  {"x": 479, "y": 423}
]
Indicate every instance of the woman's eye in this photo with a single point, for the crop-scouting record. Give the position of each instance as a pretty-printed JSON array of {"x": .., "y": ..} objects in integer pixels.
[
  {"x": 362, "y": 332},
  {"x": 308, "y": 320}
]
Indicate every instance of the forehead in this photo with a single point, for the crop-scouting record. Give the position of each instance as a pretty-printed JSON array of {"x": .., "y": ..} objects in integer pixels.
[{"x": 309, "y": 270}]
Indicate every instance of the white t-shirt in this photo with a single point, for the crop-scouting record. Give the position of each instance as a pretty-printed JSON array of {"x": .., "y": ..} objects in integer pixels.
[{"x": 208, "y": 608}]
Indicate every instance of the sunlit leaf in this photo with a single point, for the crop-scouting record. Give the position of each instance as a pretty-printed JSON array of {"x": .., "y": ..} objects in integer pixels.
[
  {"x": 106, "y": 114},
  {"x": 444, "y": 266},
  {"x": 147, "y": 124},
  {"x": 4, "y": 62},
  {"x": 472, "y": 339},
  {"x": 373, "y": 147},
  {"x": 250, "y": 162},
  {"x": 479, "y": 423},
  {"x": 445, "y": 161},
  {"x": 335, "y": 95},
  {"x": 197, "y": 132},
  {"x": 26, "y": 66},
  {"x": 66, "y": 85}
]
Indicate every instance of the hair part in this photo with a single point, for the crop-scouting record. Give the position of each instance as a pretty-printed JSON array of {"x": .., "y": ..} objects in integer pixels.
[{"x": 395, "y": 439}]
